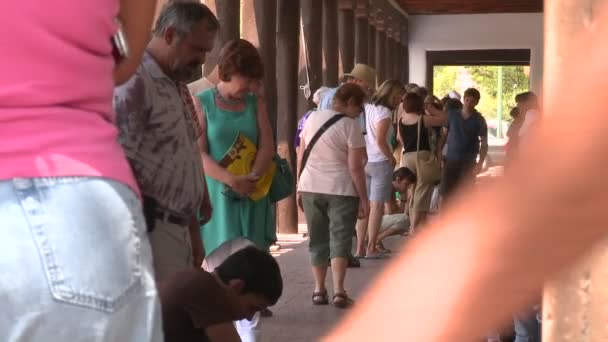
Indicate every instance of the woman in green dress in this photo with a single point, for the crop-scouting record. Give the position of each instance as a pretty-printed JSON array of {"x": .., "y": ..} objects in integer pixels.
[{"x": 230, "y": 109}]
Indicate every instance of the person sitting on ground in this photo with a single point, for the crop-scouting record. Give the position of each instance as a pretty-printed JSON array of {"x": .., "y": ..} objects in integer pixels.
[
  {"x": 245, "y": 283},
  {"x": 396, "y": 223}
]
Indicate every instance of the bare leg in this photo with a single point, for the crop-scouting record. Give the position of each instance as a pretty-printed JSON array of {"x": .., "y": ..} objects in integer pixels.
[
  {"x": 375, "y": 219},
  {"x": 338, "y": 271},
  {"x": 418, "y": 218},
  {"x": 361, "y": 233},
  {"x": 320, "y": 273}
]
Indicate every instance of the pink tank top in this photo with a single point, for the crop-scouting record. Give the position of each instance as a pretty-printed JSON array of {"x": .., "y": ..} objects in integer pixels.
[{"x": 56, "y": 89}]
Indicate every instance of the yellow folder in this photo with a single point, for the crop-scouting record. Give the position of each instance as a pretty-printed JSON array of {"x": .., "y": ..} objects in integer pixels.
[{"x": 239, "y": 160}]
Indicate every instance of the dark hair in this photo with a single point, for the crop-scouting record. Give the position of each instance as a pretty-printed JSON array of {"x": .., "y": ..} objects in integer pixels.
[
  {"x": 349, "y": 91},
  {"x": 514, "y": 112},
  {"x": 257, "y": 269},
  {"x": 404, "y": 173},
  {"x": 182, "y": 15},
  {"x": 453, "y": 104},
  {"x": 472, "y": 92},
  {"x": 422, "y": 92},
  {"x": 413, "y": 103},
  {"x": 524, "y": 97},
  {"x": 240, "y": 57}
]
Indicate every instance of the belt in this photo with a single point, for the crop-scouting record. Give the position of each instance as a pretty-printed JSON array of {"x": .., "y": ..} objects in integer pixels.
[{"x": 170, "y": 218}]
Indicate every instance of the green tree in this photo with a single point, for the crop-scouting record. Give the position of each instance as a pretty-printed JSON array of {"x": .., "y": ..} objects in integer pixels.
[
  {"x": 515, "y": 81},
  {"x": 445, "y": 79}
]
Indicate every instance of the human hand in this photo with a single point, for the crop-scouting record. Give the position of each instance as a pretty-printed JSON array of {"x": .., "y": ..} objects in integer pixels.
[
  {"x": 363, "y": 208},
  {"x": 299, "y": 201},
  {"x": 198, "y": 253},
  {"x": 206, "y": 209},
  {"x": 244, "y": 185},
  {"x": 393, "y": 161}
]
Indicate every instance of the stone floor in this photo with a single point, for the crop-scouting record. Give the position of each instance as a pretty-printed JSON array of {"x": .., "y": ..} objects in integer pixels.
[{"x": 295, "y": 318}]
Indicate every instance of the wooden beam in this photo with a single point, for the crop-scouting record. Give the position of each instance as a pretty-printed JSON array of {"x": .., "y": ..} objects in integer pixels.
[
  {"x": 288, "y": 51},
  {"x": 312, "y": 24},
  {"x": 371, "y": 46},
  {"x": 228, "y": 14},
  {"x": 346, "y": 34},
  {"x": 331, "y": 54},
  {"x": 361, "y": 32},
  {"x": 259, "y": 27}
]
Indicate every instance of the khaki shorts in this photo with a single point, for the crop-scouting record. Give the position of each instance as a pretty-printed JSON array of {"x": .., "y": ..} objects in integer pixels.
[{"x": 423, "y": 192}]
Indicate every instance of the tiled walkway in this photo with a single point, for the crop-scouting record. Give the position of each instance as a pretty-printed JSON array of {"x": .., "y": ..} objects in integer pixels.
[{"x": 295, "y": 318}]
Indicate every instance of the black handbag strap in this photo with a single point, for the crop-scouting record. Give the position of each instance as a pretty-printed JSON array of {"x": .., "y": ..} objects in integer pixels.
[{"x": 316, "y": 137}]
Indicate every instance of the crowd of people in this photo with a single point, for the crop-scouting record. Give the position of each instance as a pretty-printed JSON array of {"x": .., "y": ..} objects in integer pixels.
[{"x": 392, "y": 153}]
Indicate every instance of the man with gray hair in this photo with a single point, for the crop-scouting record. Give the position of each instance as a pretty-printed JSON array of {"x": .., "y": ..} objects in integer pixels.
[{"x": 160, "y": 131}]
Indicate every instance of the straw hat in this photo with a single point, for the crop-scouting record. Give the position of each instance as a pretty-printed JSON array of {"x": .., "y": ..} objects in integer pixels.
[{"x": 364, "y": 73}]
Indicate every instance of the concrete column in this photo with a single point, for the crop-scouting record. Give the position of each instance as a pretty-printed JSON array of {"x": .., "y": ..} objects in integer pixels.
[
  {"x": 575, "y": 304},
  {"x": 361, "y": 31},
  {"x": 346, "y": 35},
  {"x": 331, "y": 54},
  {"x": 228, "y": 13},
  {"x": 259, "y": 27},
  {"x": 371, "y": 45},
  {"x": 312, "y": 15},
  {"x": 288, "y": 51}
]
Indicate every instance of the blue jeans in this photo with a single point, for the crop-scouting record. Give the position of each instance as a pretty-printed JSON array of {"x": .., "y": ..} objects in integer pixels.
[{"x": 75, "y": 263}]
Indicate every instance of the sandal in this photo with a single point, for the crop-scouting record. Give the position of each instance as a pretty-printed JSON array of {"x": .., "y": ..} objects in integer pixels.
[
  {"x": 380, "y": 247},
  {"x": 320, "y": 298},
  {"x": 342, "y": 301}
]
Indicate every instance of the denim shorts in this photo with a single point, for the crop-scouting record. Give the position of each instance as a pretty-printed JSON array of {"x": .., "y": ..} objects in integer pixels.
[
  {"x": 379, "y": 179},
  {"x": 75, "y": 262}
]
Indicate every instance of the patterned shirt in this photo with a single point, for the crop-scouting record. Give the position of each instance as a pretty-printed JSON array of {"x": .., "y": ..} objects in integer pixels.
[{"x": 158, "y": 131}]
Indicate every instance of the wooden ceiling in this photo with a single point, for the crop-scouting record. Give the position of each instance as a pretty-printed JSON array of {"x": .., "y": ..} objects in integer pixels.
[{"x": 470, "y": 6}]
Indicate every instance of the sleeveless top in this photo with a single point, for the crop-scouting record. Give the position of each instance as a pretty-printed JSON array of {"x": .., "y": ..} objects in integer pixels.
[
  {"x": 233, "y": 218},
  {"x": 409, "y": 137}
]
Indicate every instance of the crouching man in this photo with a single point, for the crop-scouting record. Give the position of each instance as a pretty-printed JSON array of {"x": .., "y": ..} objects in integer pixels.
[{"x": 245, "y": 283}]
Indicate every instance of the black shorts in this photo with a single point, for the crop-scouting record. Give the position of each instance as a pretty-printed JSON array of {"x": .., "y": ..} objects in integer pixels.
[{"x": 454, "y": 174}]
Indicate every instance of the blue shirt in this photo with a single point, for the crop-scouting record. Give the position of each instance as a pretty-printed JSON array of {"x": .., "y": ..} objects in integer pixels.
[
  {"x": 464, "y": 136},
  {"x": 301, "y": 127},
  {"x": 327, "y": 99}
]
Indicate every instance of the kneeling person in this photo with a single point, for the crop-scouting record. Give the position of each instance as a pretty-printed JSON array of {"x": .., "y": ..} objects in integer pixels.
[
  {"x": 397, "y": 224},
  {"x": 245, "y": 283}
]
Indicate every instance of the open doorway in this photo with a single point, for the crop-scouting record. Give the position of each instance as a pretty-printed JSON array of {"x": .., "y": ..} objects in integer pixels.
[
  {"x": 498, "y": 86},
  {"x": 499, "y": 75}
]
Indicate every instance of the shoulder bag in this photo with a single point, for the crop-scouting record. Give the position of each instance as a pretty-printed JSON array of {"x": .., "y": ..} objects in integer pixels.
[
  {"x": 427, "y": 170},
  {"x": 316, "y": 137}
]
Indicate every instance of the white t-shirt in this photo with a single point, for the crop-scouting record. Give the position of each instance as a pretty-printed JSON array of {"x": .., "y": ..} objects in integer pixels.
[
  {"x": 326, "y": 171},
  {"x": 373, "y": 115}
]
